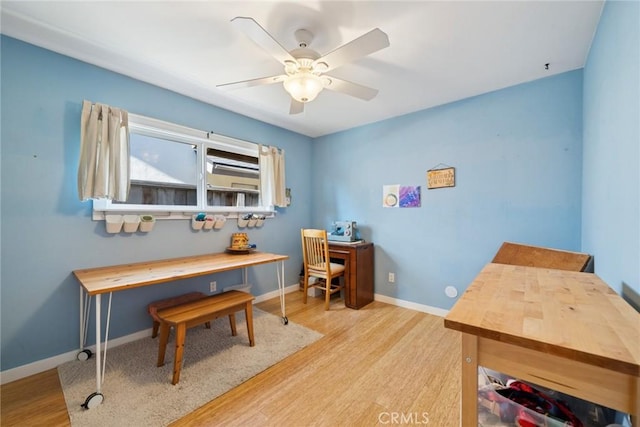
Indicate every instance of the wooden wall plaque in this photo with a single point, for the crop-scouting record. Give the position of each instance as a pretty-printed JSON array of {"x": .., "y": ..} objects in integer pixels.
[{"x": 441, "y": 178}]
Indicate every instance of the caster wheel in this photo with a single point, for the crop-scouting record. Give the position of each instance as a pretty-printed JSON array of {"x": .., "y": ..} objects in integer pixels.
[
  {"x": 93, "y": 400},
  {"x": 285, "y": 320},
  {"x": 84, "y": 355}
]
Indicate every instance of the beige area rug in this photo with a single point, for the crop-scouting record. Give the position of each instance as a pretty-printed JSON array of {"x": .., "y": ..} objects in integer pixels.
[{"x": 137, "y": 393}]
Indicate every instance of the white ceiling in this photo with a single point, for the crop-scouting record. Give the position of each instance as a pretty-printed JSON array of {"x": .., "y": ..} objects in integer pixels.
[{"x": 441, "y": 51}]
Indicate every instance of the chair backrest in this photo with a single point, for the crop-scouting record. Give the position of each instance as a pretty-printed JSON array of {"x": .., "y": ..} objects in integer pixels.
[{"x": 315, "y": 249}]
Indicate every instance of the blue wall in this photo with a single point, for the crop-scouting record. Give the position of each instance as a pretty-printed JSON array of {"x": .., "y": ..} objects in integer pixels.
[
  {"x": 47, "y": 232},
  {"x": 611, "y": 179},
  {"x": 518, "y": 159},
  {"x": 520, "y": 176}
]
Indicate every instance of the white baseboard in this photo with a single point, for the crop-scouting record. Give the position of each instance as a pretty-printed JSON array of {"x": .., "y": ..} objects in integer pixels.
[
  {"x": 411, "y": 305},
  {"x": 276, "y": 293},
  {"x": 52, "y": 362}
]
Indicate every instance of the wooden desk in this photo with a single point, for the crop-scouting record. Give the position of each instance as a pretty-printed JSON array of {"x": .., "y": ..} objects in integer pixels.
[
  {"x": 563, "y": 330},
  {"x": 106, "y": 280},
  {"x": 358, "y": 261}
]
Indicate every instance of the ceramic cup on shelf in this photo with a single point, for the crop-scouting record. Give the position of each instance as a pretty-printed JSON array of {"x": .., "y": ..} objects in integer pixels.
[
  {"x": 243, "y": 221},
  {"x": 209, "y": 222},
  {"x": 131, "y": 223},
  {"x": 220, "y": 220},
  {"x": 113, "y": 223},
  {"x": 146, "y": 223},
  {"x": 197, "y": 221}
]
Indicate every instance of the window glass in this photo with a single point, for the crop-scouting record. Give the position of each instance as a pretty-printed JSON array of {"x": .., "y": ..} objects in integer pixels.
[
  {"x": 162, "y": 172},
  {"x": 232, "y": 179}
]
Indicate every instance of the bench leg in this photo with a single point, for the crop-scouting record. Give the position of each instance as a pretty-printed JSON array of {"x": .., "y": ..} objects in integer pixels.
[
  {"x": 156, "y": 326},
  {"x": 232, "y": 322},
  {"x": 248, "y": 312},
  {"x": 162, "y": 345},
  {"x": 181, "y": 331}
]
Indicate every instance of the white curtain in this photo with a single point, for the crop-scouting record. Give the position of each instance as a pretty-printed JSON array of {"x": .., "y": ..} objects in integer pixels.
[
  {"x": 103, "y": 171},
  {"x": 272, "y": 176}
]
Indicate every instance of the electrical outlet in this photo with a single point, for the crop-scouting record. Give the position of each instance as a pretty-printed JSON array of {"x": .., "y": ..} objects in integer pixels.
[
  {"x": 213, "y": 286},
  {"x": 392, "y": 277}
]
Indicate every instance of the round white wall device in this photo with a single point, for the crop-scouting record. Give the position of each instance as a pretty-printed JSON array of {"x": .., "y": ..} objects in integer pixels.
[{"x": 451, "y": 292}]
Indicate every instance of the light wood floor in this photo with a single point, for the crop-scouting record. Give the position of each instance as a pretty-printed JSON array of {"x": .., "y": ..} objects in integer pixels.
[{"x": 373, "y": 366}]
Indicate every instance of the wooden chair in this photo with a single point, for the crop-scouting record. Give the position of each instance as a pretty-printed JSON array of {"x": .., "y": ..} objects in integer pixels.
[{"x": 316, "y": 261}]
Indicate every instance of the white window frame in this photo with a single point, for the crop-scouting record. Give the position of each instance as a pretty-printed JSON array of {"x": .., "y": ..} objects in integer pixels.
[{"x": 200, "y": 139}]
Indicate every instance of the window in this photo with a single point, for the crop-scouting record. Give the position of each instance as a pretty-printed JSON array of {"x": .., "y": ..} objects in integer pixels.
[{"x": 178, "y": 171}]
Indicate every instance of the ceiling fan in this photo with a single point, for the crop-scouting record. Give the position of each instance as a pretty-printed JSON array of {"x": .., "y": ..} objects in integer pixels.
[{"x": 304, "y": 69}]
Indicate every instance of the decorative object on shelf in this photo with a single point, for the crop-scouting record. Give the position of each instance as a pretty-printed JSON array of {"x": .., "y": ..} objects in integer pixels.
[
  {"x": 220, "y": 220},
  {"x": 209, "y": 222},
  {"x": 251, "y": 220},
  {"x": 240, "y": 244},
  {"x": 239, "y": 240},
  {"x": 131, "y": 223},
  {"x": 243, "y": 221},
  {"x": 197, "y": 221},
  {"x": 146, "y": 223},
  {"x": 113, "y": 223},
  {"x": 441, "y": 176}
]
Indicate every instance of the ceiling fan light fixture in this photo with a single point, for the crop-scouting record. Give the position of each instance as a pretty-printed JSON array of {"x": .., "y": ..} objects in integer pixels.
[{"x": 303, "y": 86}]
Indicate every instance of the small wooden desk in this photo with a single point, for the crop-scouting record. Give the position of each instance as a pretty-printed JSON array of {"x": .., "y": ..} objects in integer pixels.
[
  {"x": 563, "y": 330},
  {"x": 358, "y": 271},
  {"x": 103, "y": 280}
]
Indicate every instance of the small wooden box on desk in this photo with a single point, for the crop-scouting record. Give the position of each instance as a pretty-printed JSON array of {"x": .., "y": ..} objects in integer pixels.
[{"x": 358, "y": 261}]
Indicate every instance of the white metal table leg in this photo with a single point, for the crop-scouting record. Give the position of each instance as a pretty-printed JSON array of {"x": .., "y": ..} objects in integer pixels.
[
  {"x": 85, "y": 310},
  {"x": 280, "y": 274},
  {"x": 96, "y": 398},
  {"x": 98, "y": 343}
]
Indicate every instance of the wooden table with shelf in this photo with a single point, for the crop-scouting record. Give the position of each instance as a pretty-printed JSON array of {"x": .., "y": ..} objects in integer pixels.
[
  {"x": 94, "y": 282},
  {"x": 564, "y": 330}
]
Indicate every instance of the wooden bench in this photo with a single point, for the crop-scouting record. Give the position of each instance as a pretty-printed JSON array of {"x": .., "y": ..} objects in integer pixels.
[
  {"x": 153, "y": 308},
  {"x": 200, "y": 311}
]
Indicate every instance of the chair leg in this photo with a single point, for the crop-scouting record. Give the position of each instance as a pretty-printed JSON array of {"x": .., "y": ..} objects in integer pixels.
[
  {"x": 305, "y": 288},
  {"x": 327, "y": 294},
  {"x": 207, "y": 325}
]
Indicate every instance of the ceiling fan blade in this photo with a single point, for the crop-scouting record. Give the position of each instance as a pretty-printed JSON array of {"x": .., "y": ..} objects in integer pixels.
[
  {"x": 349, "y": 88},
  {"x": 252, "y": 82},
  {"x": 364, "y": 45},
  {"x": 297, "y": 107},
  {"x": 262, "y": 38}
]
